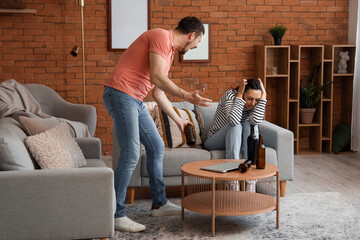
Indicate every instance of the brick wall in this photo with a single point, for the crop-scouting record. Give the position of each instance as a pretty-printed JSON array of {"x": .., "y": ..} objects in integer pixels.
[{"x": 34, "y": 48}]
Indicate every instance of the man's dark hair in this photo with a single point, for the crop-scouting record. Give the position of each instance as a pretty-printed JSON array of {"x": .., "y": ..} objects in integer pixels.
[{"x": 190, "y": 24}]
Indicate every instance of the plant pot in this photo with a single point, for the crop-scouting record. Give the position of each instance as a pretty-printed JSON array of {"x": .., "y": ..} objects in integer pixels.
[
  {"x": 277, "y": 41},
  {"x": 307, "y": 115}
]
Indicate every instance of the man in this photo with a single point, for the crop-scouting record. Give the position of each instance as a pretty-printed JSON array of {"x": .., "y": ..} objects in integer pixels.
[{"x": 142, "y": 67}]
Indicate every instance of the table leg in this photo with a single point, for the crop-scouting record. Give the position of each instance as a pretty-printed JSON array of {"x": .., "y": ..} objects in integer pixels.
[
  {"x": 242, "y": 185},
  {"x": 277, "y": 200},
  {"x": 213, "y": 209},
  {"x": 182, "y": 195}
]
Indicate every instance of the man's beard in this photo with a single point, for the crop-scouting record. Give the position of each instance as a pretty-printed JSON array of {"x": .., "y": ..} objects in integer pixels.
[{"x": 183, "y": 51}]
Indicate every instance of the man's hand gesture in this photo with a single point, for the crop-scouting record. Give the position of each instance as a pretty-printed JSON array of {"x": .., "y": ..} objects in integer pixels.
[{"x": 195, "y": 98}]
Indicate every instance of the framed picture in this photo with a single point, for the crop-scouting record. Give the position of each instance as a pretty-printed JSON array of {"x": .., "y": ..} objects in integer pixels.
[
  {"x": 202, "y": 52},
  {"x": 127, "y": 21}
]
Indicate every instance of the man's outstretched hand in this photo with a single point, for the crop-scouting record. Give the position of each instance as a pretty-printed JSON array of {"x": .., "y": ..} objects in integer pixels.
[{"x": 195, "y": 98}]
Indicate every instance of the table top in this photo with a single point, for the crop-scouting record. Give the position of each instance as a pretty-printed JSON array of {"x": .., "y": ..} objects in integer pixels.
[{"x": 252, "y": 173}]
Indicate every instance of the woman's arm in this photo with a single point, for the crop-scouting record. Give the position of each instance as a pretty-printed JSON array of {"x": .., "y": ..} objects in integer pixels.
[{"x": 234, "y": 107}]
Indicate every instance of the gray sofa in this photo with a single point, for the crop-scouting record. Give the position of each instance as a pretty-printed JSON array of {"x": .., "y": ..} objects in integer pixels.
[
  {"x": 278, "y": 142},
  {"x": 54, "y": 204}
]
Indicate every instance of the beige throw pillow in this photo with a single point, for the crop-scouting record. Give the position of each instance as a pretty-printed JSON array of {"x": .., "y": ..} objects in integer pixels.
[
  {"x": 170, "y": 132},
  {"x": 55, "y": 149}
]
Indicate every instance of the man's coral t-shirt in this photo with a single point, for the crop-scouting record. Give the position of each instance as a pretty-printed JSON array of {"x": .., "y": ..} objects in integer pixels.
[{"x": 131, "y": 74}]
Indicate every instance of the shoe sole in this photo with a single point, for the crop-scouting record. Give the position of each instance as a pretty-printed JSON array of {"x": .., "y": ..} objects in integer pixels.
[
  {"x": 127, "y": 230},
  {"x": 157, "y": 214}
]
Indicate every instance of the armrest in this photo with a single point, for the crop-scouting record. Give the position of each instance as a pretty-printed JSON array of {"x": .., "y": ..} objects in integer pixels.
[
  {"x": 282, "y": 140},
  {"x": 77, "y": 112},
  {"x": 53, "y": 104},
  {"x": 91, "y": 147},
  {"x": 53, "y": 203}
]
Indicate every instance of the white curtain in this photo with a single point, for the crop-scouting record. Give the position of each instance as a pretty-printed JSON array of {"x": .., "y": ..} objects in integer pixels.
[{"x": 355, "y": 122}]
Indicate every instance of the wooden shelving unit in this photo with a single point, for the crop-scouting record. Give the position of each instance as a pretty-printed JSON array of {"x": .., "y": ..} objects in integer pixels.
[
  {"x": 342, "y": 89},
  {"x": 268, "y": 57},
  {"x": 295, "y": 64}
]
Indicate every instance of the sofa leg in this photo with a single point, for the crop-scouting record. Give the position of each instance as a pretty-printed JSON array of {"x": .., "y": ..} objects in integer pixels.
[
  {"x": 131, "y": 194},
  {"x": 104, "y": 238},
  {"x": 282, "y": 188}
]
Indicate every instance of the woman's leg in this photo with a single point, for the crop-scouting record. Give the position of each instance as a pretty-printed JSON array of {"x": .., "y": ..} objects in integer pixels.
[
  {"x": 233, "y": 141},
  {"x": 250, "y": 184}
]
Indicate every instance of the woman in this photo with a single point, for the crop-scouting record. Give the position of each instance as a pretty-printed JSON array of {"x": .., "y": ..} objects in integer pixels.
[{"x": 237, "y": 110}]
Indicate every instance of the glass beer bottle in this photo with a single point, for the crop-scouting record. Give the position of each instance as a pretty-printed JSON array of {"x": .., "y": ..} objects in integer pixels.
[
  {"x": 189, "y": 134},
  {"x": 252, "y": 146}
]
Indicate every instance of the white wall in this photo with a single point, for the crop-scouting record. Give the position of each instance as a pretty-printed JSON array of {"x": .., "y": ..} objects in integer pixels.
[{"x": 353, "y": 12}]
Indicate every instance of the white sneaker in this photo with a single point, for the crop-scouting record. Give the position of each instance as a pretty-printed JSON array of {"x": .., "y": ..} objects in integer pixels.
[
  {"x": 168, "y": 209},
  {"x": 125, "y": 224}
]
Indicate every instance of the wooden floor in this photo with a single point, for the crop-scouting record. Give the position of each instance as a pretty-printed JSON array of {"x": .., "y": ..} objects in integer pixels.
[
  {"x": 314, "y": 173},
  {"x": 327, "y": 173}
]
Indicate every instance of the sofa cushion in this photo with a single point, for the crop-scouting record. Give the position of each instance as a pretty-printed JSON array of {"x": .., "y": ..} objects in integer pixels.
[
  {"x": 13, "y": 153},
  {"x": 170, "y": 132},
  {"x": 175, "y": 158},
  {"x": 90, "y": 162},
  {"x": 185, "y": 105},
  {"x": 207, "y": 114},
  {"x": 55, "y": 148}
]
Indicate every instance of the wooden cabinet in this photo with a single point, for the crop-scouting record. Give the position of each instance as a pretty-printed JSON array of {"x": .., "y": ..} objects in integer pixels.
[{"x": 295, "y": 65}]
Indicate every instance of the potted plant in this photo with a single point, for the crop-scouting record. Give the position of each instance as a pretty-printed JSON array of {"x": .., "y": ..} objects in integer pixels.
[
  {"x": 277, "y": 32},
  {"x": 310, "y": 95}
]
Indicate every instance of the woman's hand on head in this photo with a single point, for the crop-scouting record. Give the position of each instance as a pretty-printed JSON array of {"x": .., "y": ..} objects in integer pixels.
[
  {"x": 241, "y": 89},
  {"x": 263, "y": 91}
]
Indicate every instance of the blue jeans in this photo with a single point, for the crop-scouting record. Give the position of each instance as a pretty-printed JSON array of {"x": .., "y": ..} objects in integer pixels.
[
  {"x": 232, "y": 139},
  {"x": 134, "y": 125}
]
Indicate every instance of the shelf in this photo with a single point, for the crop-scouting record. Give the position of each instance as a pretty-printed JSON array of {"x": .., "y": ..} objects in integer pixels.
[
  {"x": 326, "y": 138},
  {"x": 229, "y": 203},
  {"x": 307, "y": 152},
  {"x": 18, "y": 11},
  {"x": 293, "y": 100},
  {"x": 328, "y": 60},
  {"x": 275, "y": 76},
  {"x": 326, "y": 100},
  {"x": 294, "y": 61},
  {"x": 309, "y": 124},
  {"x": 343, "y": 75}
]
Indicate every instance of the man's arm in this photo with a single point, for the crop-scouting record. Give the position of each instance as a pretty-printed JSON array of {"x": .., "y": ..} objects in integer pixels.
[
  {"x": 160, "y": 80},
  {"x": 164, "y": 103}
]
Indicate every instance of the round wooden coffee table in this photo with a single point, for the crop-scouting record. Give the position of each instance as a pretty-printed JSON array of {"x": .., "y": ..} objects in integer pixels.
[{"x": 211, "y": 193}]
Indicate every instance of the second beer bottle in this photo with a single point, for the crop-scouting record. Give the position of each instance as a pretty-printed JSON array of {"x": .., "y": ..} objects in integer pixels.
[{"x": 252, "y": 146}]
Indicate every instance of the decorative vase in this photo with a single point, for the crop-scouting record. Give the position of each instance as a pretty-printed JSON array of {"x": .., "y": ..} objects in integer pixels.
[
  {"x": 307, "y": 115},
  {"x": 277, "y": 40}
]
